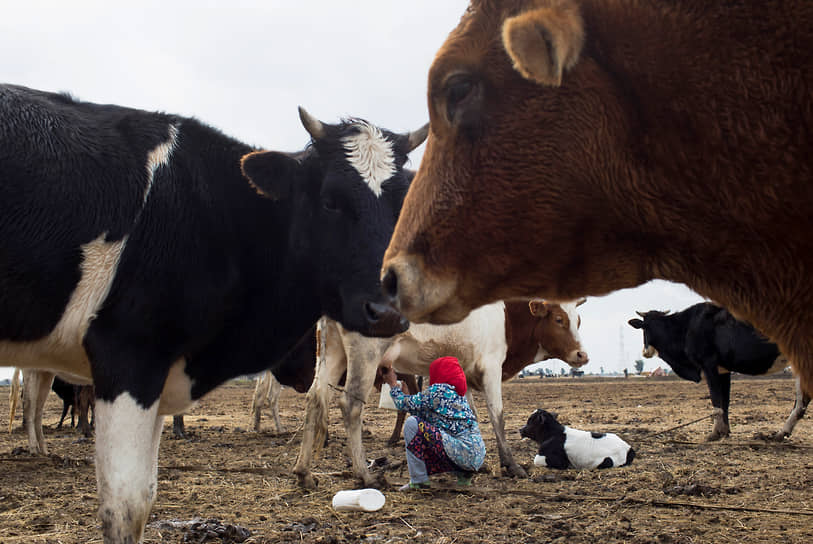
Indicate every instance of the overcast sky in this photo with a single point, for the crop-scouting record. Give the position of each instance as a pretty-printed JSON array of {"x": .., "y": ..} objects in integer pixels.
[{"x": 244, "y": 66}]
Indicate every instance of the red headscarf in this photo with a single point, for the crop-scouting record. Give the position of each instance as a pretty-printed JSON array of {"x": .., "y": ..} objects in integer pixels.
[{"x": 447, "y": 370}]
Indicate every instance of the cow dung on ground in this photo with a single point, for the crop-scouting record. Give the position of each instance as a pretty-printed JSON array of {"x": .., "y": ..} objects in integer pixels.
[{"x": 679, "y": 490}]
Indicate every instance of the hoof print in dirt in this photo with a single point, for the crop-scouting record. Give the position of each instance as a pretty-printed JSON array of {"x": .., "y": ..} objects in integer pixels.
[
  {"x": 694, "y": 490},
  {"x": 304, "y": 526},
  {"x": 200, "y": 531}
]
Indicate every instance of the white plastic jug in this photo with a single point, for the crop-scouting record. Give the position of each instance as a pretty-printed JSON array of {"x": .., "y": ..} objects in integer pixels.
[
  {"x": 385, "y": 400},
  {"x": 358, "y": 500}
]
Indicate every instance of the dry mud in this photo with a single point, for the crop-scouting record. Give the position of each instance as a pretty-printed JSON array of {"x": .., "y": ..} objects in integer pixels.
[{"x": 226, "y": 484}]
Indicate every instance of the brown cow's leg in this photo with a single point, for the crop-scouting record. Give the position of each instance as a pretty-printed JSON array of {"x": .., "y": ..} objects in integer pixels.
[
  {"x": 798, "y": 412},
  {"x": 84, "y": 396}
]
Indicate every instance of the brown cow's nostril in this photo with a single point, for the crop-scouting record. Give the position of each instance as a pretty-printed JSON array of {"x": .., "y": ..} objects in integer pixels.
[{"x": 390, "y": 284}]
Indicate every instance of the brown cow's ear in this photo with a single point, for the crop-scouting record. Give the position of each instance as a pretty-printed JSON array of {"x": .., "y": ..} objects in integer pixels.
[
  {"x": 271, "y": 173},
  {"x": 538, "y": 307},
  {"x": 545, "y": 42}
]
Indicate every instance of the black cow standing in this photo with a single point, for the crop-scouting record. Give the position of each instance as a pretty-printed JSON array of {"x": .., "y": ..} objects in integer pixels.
[
  {"x": 706, "y": 339},
  {"x": 135, "y": 252}
]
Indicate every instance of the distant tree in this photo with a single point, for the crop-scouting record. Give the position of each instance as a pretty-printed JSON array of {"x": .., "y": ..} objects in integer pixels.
[
  {"x": 601, "y": 370},
  {"x": 639, "y": 365},
  {"x": 563, "y": 371},
  {"x": 626, "y": 373}
]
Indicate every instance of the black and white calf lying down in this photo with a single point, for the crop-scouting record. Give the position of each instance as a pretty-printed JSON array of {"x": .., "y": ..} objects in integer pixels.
[{"x": 565, "y": 447}]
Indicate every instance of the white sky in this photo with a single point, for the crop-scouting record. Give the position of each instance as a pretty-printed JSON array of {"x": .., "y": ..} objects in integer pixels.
[{"x": 244, "y": 66}]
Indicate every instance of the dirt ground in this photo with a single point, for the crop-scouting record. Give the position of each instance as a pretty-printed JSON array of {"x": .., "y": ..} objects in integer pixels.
[{"x": 226, "y": 482}]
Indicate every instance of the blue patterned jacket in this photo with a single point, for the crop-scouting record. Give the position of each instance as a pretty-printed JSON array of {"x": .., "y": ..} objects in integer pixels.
[{"x": 441, "y": 406}]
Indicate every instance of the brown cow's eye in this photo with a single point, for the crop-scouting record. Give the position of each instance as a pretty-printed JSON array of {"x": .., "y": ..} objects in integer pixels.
[{"x": 458, "y": 88}]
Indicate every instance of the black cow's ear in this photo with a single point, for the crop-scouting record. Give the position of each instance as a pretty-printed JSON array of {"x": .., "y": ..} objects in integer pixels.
[
  {"x": 271, "y": 173},
  {"x": 636, "y": 323}
]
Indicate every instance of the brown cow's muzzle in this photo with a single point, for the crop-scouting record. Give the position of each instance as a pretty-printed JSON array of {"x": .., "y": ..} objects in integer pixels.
[{"x": 419, "y": 295}]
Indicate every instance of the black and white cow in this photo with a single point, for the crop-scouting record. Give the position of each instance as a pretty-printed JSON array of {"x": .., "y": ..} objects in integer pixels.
[
  {"x": 565, "y": 447},
  {"x": 706, "y": 339},
  {"x": 135, "y": 254}
]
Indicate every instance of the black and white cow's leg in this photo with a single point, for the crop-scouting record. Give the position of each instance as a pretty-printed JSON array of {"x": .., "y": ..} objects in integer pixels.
[
  {"x": 493, "y": 394},
  {"x": 36, "y": 385},
  {"x": 127, "y": 439},
  {"x": 798, "y": 412},
  {"x": 130, "y": 380},
  {"x": 719, "y": 390}
]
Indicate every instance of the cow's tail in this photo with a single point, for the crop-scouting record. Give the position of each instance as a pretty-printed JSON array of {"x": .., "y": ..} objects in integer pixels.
[{"x": 13, "y": 397}]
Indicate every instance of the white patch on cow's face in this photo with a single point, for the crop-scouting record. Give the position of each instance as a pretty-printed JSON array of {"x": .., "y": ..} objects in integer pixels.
[
  {"x": 370, "y": 153},
  {"x": 573, "y": 317},
  {"x": 649, "y": 352},
  {"x": 62, "y": 349},
  {"x": 159, "y": 157},
  {"x": 127, "y": 439},
  {"x": 176, "y": 396}
]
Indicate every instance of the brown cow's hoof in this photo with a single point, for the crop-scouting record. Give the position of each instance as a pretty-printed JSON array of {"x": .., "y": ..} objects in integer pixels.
[
  {"x": 516, "y": 471},
  {"x": 379, "y": 481},
  {"x": 307, "y": 481},
  {"x": 714, "y": 436}
]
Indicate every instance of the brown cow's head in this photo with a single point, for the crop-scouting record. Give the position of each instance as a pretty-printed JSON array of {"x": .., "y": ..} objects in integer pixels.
[
  {"x": 507, "y": 200},
  {"x": 556, "y": 332}
]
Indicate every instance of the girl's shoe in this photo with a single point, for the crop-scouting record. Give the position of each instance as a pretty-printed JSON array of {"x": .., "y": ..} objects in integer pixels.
[
  {"x": 411, "y": 486},
  {"x": 464, "y": 479}
]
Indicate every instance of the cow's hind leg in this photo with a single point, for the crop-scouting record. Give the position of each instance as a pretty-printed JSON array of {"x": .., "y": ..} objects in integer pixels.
[
  {"x": 798, "y": 412},
  {"x": 127, "y": 439},
  {"x": 493, "y": 394},
  {"x": 261, "y": 389},
  {"x": 273, "y": 401},
  {"x": 719, "y": 390},
  {"x": 36, "y": 385}
]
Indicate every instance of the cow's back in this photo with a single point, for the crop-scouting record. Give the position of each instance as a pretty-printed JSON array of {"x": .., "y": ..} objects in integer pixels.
[{"x": 70, "y": 173}]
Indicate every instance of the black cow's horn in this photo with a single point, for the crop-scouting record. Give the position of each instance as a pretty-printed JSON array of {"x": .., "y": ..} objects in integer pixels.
[
  {"x": 639, "y": 313},
  {"x": 313, "y": 125},
  {"x": 416, "y": 137}
]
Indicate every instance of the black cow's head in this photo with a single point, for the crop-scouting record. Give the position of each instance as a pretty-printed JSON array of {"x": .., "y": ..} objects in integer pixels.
[
  {"x": 658, "y": 337},
  {"x": 540, "y": 425},
  {"x": 345, "y": 192}
]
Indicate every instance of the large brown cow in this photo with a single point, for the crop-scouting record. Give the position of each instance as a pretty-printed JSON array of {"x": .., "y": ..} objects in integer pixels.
[{"x": 577, "y": 148}]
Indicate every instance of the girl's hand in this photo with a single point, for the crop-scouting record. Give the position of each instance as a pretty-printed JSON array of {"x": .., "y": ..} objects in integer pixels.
[{"x": 389, "y": 376}]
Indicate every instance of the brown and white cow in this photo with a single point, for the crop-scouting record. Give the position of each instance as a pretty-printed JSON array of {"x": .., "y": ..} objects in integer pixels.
[
  {"x": 493, "y": 344},
  {"x": 579, "y": 147}
]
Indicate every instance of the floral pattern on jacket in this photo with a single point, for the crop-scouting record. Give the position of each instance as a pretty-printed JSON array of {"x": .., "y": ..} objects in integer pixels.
[{"x": 441, "y": 406}]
